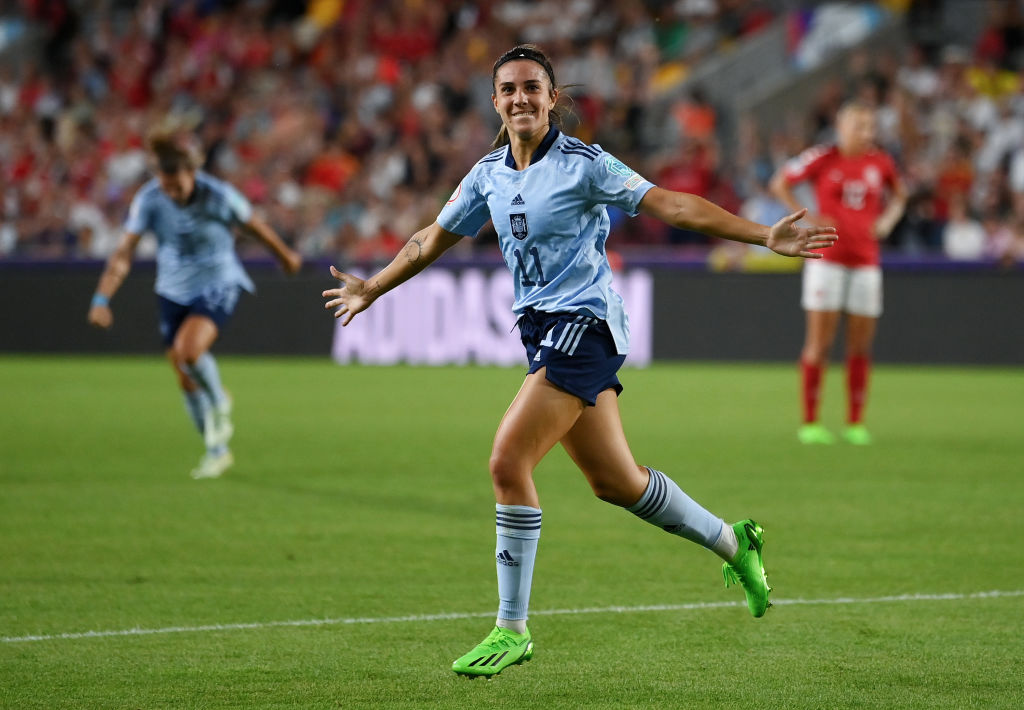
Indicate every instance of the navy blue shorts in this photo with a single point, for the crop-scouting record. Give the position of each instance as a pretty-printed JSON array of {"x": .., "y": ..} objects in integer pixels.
[
  {"x": 578, "y": 352},
  {"x": 216, "y": 303}
]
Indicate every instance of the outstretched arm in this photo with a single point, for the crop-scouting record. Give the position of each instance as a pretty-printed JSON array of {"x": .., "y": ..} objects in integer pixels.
[
  {"x": 355, "y": 295},
  {"x": 289, "y": 259},
  {"x": 117, "y": 268},
  {"x": 686, "y": 211}
]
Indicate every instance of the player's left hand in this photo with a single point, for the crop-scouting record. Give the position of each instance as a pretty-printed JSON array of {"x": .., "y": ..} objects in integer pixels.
[
  {"x": 101, "y": 317},
  {"x": 790, "y": 240}
]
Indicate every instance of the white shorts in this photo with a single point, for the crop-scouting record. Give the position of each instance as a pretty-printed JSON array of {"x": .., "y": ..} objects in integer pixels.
[{"x": 828, "y": 286}]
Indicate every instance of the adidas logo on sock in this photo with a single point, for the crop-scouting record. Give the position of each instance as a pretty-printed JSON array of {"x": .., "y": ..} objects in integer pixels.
[
  {"x": 506, "y": 559},
  {"x": 518, "y": 200}
]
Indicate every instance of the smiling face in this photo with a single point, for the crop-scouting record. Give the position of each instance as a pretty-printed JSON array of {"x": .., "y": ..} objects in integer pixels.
[{"x": 523, "y": 97}]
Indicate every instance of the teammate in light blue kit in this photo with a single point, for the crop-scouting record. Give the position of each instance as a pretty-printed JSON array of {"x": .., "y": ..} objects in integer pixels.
[
  {"x": 199, "y": 276},
  {"x": 546, "y": 195}
]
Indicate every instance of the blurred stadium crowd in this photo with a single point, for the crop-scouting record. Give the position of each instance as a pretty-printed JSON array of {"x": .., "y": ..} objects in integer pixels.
[{"x": 348, "y": 122}]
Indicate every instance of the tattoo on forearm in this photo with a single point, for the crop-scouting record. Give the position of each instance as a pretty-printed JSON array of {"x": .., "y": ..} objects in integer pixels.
[{"x": 413, "y": 250}]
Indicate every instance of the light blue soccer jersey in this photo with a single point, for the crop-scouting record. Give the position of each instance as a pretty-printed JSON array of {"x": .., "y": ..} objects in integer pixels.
[
  {"x": 552, "y": 224},
  {"x": 195, "y": 245}
]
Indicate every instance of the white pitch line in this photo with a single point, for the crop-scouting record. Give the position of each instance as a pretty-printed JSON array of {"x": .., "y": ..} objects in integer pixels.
[{"x": 995, "y": 594}]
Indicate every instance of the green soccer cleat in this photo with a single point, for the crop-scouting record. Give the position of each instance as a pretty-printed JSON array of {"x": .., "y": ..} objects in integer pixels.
[
  {"x": 501, "y": 649},
  {"x": 815, "y": 433},
  {"x": 857, "y": 434},
  {"x": 747, "y": 569}
]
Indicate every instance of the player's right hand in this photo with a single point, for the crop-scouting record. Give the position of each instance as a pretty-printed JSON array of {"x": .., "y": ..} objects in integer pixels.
[
  {"x": 101, "y": 316},
  {"x": 789, "y": 240},
  {"x": 353, "y": 296}
]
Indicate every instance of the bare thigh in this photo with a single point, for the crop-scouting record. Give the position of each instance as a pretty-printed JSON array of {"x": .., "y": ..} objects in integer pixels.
[
  {"x": 539, "y": 416},
  {"x": 597, "y": 443}
]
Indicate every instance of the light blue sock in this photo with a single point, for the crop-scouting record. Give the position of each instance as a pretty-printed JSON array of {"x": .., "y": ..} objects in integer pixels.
[
  {"x": 518, "y": 530},
  {"x": 196, "y": 404},
  {"x": 664, "y": 504},
  {"x": 205, "y": 374}
]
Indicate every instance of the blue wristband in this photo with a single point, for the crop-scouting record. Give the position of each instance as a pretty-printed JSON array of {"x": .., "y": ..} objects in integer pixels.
[{"x": 98, "y": 299}]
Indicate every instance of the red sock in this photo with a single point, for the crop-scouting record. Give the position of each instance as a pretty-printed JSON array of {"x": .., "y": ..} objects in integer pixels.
[
  {"x": 811, "y": 390},
  {"x": 857, "y": 369}
]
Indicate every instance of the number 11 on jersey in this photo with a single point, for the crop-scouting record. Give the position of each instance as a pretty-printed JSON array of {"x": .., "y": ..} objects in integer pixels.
[{"x": 526, "y": 281}]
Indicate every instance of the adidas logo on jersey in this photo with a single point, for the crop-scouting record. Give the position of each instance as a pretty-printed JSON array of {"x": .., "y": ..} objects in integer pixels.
[
  {"x": 506, "y": 559},
  {"x": 518, "y": 200}
]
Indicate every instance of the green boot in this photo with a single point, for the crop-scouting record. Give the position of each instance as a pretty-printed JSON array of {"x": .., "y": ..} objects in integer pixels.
[
  {"x": 501, "y": 649},
  {"x": 747, "y": 568}
]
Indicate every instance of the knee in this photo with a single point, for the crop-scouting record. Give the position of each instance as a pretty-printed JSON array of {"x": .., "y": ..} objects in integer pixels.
[
  {"x": 618, "y": 488},
  {"x": 507, "y": 470},
  {"x": 185, "y": 355},
  {"x": 609, "y": 494},
  {"x": 858, "y": 350},
  {"x": 184, "y": 381},
  {"x": 181, "y": 361},
  {"x": 812, "y": 355}
]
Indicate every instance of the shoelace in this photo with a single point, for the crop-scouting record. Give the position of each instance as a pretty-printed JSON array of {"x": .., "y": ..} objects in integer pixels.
[
  {"x": 500, "y": 638},
  {"x": 730, "y": 575}
]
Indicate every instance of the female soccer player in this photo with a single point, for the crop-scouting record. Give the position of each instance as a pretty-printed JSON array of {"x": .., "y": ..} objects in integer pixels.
[
  {"x": 546, "y": 194},
  {"x": 198, "y": 277},
  {"x": 850, "y": 181}
]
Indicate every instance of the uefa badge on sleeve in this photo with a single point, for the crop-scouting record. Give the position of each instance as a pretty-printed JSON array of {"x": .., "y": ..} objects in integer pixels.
[{"x": 617, "y": 167}]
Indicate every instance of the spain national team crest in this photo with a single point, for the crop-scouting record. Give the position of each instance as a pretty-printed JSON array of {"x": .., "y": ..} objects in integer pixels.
[{"x": 520, "y": 230}]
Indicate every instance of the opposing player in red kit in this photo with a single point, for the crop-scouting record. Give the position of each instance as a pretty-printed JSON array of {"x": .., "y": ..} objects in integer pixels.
[{"x": 859, "y": 192}]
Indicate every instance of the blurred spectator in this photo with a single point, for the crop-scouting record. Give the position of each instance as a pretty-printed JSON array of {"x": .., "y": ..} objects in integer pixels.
[
  {"x": 1000, "y": 238},
  {"x": 917, "y": 76},
  {"x": 327, "y": 116},
  {"x": 963, "y": 237},
  {"x": 310, "y": 108}
]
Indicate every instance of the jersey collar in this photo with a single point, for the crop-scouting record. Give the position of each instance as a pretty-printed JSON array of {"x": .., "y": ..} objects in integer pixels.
[{"x": 542, "y": 149}]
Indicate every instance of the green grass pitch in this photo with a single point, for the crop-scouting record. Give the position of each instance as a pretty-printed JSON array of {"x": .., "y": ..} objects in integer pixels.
[{"x": 361, "y": 496}]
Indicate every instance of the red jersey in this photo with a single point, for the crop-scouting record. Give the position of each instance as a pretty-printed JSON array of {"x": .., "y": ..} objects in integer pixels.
[{"x": 851, "y": 192}]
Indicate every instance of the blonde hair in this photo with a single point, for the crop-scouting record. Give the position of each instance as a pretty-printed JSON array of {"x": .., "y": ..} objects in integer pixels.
[{"x": 854, "y": 106}]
